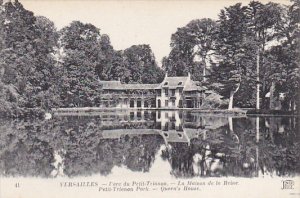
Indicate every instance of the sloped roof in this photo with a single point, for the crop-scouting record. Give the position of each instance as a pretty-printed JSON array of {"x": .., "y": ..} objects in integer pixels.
[
  {"x": 110, "y": 84},
  {"x": 117, "y": 85},
  {"x": 192, "y": 86},
  {"x": 169, "y": 82},
  {"x": 140, "y": 86},
  {"x": 173, "y": 82}
]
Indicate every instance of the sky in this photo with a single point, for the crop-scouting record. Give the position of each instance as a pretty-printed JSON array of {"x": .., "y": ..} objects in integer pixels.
[{"x": 132, "y": 22}]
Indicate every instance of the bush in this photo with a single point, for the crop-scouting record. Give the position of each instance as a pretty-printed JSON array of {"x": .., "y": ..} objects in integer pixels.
[{"x": 214, "y": 101}]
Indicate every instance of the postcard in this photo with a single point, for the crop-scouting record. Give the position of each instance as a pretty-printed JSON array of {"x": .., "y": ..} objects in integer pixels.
[{"x": 148, "y": 98}]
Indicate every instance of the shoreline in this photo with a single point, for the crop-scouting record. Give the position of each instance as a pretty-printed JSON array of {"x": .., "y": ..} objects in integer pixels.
[
  {"x": 234, "y": 112},
  {"x": 98, "y": 109},
  {"x": 38, "y": 113}
]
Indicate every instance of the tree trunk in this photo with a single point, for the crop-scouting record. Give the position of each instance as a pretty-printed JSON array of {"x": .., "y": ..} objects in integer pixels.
[
  {"x": 204, "y": 73},
  {"x": 257, "y": 129},
  {"x": 257, "y": 83},
  {"x": 230, "y": 105},
  {"x": 264, "y": 103},
  {"x": 293, "y": 105},
  {"x": 204, "y": 68},
  {"x": 272, "y": 101},
  {"x": 230, "y": 124}
]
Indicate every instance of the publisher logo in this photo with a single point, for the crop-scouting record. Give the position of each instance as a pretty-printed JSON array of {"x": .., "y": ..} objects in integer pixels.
[{"x": 287, "y": 184}]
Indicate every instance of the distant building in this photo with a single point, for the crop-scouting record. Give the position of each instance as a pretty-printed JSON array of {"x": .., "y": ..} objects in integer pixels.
[
  {"x": 173, "y": 92},
  {"x": 275, "y": 102}
]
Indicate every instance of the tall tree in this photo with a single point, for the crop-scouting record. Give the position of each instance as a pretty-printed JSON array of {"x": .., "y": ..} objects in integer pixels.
[
  {"x": 192, "y": 49},
  {"x": 263, "y": 20},
  {"x": 235, "y": 51},
  {"x": 115, "y": 68},
  {"x": 82, "y": 53},
  {"x": 285, "y": 56},
  {"x": 26, "y": 53},
  {"x": 140, "y": 61},
  {"x": 135, "y": 64}
]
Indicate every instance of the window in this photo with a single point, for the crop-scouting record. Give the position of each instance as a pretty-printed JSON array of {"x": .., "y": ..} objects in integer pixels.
[
  {"x": 173, "y": 92},
  {"x": 131, "y": 115},
  {"x": 166, "y": 92},
  {"x": 180, "y": 104},
  {"x": 145, "y": 104},
  {"x": 139, "y": 103},
  {"x": 166, "y": 83},
  {"x": 132, "y": 103},
  {"x": 139, "y": 115},
  {"x": 180, "y": 83},
  {"x": 166, "y": 103},
  {"x": 173, "y": 103},
  {"x": 159, "y": 92},
  {"x": 158, "y": 104}
]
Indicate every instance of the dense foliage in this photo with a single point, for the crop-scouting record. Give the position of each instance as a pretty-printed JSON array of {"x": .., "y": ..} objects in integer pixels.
[
  {"x": 27, "y": 65},
  {"x": 249, "y": 48},
  {"x": 42, "y": 68},
  {"x": 250, "y": 51}
]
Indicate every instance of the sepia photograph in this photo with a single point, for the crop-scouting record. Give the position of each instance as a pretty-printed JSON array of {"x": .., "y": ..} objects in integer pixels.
[{"x": 149, "y": 98}]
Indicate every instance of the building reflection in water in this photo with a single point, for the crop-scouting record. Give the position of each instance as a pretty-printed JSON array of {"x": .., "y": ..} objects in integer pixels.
[
  {"x": 195, "y": 145},
  {"x": 173, "y": 126}
]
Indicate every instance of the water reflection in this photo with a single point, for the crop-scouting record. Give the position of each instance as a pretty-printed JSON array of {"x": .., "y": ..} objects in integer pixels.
[{"x": 193, "y": 144}]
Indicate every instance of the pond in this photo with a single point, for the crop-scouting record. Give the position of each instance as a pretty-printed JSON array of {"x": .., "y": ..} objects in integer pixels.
[{"x": 176, "y": 144}]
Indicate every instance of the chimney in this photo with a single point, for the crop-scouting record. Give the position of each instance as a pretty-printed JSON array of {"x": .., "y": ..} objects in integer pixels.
[
  {"x": 166, "y": 74},
  {"x": 189, "y": 75}
]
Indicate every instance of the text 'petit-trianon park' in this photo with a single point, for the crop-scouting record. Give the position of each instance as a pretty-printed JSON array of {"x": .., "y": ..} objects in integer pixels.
[{"x": 245, "y": 61}]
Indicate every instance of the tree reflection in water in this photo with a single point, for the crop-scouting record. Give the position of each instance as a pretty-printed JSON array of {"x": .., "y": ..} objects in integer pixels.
[
  {"x": 198, "y": 146},
  {"x": 219, "y": 154},
  {"x": 25, "y": 149},
  {"x": 137, "y": 153}
]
